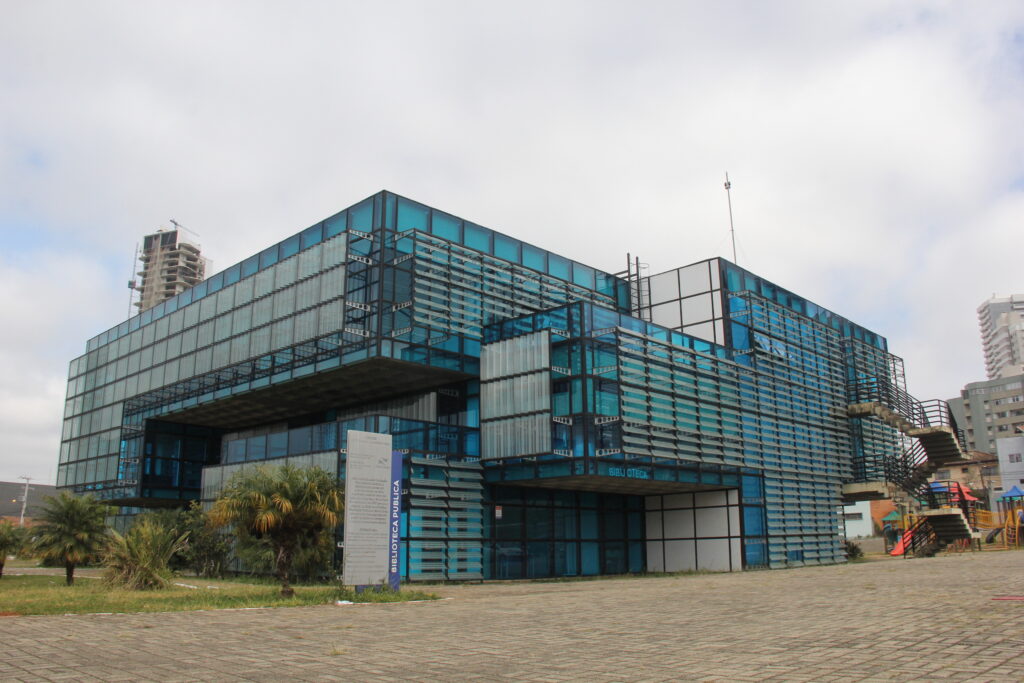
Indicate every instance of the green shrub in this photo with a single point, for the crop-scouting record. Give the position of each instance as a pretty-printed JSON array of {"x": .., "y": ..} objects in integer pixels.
[
  {"x": 207, "y": 550},
  {"x": 12, "y": 540},
  {"x": 853, "y": 551},
  {"x": 139, "y": 559}
]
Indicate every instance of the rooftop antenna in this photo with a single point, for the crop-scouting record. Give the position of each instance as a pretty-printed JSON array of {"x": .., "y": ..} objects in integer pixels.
[{"x": 732, "y": 230}]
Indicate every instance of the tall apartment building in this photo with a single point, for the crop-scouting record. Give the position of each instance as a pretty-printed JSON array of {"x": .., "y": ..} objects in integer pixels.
[
  {"x": 555, "y": 419},
  {"x": 1010, "y": 452},
  {"x": 1001, "y": 320},
  {"x": 170, "y": 265},
  {"x": 994, "y": 409},
  {"x": 990, "y": 410}
]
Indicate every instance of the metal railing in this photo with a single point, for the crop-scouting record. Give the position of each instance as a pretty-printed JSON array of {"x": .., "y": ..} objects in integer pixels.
[
  {"x": 906, "y": 468},
  {"x": 931, "y": 413},
  {"x": 881, "y": 390},
  {"x": 923, "y": 540},
  {"x": 947, "y": 494}
]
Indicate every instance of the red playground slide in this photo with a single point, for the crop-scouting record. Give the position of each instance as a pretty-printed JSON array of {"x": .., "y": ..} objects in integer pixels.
[{"x": 901, "y": 545}]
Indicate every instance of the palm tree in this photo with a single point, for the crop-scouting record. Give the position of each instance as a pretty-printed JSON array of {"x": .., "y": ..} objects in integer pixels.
[
  {"x": 72, "y": 529},
  {"x": 139, "y": 559},
  {"x": 11, "y": 540},
  {"x": 287, "y": 506}
]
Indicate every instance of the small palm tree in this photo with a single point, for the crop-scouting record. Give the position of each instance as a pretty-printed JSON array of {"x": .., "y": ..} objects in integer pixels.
[
  {"x": 12, "y": 538},
  {"x": 71, "y": 529},
  {"x": 138, "y": 560},
  {"x": 288, "y": 506}
]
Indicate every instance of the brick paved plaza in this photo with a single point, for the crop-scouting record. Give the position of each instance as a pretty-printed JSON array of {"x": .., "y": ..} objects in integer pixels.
[{"x": 921, "y": 619}]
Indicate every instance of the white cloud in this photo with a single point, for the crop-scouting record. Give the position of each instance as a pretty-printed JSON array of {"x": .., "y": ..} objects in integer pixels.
[
  {"x": 51, "y": 304},
  {"x": 874, "y": 147}
]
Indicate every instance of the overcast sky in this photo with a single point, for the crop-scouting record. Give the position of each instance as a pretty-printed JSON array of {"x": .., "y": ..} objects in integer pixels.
[{"x": 875, "y": 150}]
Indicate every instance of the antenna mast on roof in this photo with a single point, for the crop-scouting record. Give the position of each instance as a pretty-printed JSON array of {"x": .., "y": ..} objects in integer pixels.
[{"x": 732, "y": 230}]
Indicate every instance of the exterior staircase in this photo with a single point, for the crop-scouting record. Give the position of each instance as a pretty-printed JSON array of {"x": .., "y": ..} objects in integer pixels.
[
  {"x": 949, "y": 525},
  {"x": 936, "y": 529},
  {"x": 937, "y": 441}
]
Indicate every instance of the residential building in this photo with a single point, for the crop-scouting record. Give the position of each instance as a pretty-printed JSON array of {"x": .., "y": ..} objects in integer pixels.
[
  {"x": 1001, "y": 320},
  {"x": 1010, "y": 451},
  {"x": 555, "y": 419},
  {"x": 857, "y": 519},
  {"x": 171, "y": 263},
  {"x": 979, "y": 473},
  {"x": 990, "y": 410}
]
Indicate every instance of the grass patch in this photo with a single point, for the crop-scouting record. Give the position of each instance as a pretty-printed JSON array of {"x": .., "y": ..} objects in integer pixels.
[{"x": 25, "y": 595}]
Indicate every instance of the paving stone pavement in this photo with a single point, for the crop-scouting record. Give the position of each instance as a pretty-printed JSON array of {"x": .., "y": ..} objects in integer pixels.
[{"x": 926, "y": 619}]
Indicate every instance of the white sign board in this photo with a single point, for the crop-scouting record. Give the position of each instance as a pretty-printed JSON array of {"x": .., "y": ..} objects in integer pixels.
[{"x": 368, "y": 483}]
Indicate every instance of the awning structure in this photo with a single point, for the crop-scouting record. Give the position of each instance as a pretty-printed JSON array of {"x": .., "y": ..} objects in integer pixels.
[
  {"x": 1015, "y": 492},
  {"x": 955, "y": 489}
]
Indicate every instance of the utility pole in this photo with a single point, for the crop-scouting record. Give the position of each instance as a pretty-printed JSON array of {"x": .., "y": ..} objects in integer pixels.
[
  {"x": 24, "y": 501},
  {"x": 732, "y": 231}
]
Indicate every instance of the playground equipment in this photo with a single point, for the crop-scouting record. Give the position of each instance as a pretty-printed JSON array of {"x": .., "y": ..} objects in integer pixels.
[
  {"x": 1011, "y": 508},
  {"x": 953, "y": 520},
  {"x": 948, "y": 521}
]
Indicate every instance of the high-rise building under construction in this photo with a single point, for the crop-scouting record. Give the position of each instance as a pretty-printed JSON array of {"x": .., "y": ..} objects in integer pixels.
[{"x": 171, "y": 263}]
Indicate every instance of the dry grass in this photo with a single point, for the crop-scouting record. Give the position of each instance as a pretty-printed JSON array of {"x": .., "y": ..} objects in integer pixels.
[{"x": 48, "y": 595}]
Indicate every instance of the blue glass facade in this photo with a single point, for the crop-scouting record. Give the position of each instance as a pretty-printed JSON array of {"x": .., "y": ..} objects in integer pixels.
[{"x": 556, "y": 419}]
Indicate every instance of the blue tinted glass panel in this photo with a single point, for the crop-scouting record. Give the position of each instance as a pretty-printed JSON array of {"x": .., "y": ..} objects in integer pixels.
[
  {"x": 233, "y": 274},
  {"x": 558, "y": 266},
  {"x": 583, "y": 275},
  {"x": 335, "y": 225},
  {"x": 389, "y": 210},
  {"x": 447, "y": 227},
  {"x": 268, "y": 257},
  {"x": 185, "y": 298},
  {"x": 606, "y": 284},
  {"x": 506, "y": 248},
  {"x": 740, "y": 337},
  {"x": 277, "y": 445},
  {"x": 250, "y": 265},
  {"x": 311, "y": 236},
  {"x": 256, "y": 447},
  {"x": 477, "y": 238},
  {"x": 412, "y": 216},
  {"x": 215, "y": 283},
  {"x": 535, "y": 258},
  {"x": 590, "y": 559},
  {"x": 753, "y": 521},
  {"x": 199, "y": 291},
  {"x": 732, "y": 279},
  {"x": 362, "y": 216},
  {"x": 236, "y": 451},
  {"x": 290, "y": 247}
]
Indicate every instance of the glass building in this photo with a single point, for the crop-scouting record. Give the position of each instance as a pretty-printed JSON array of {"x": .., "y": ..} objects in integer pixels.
[{"x": 555, "y": 419}]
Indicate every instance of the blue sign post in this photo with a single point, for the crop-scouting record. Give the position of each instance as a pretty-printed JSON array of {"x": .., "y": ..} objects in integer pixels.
[{"x": 395, "y": 527}]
